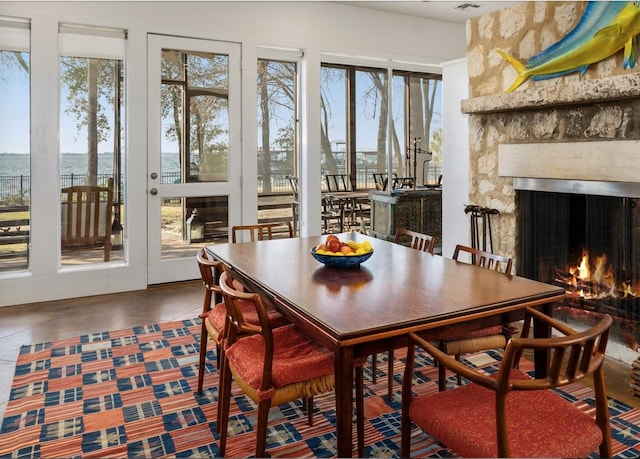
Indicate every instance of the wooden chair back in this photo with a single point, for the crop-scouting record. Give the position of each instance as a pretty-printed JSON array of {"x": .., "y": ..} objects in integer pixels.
[
  {"x": 338, "y": 182},
  {"x": 86, "y": 217},
  {"x": 262, "y": 231},
  {"x": 295, "y": 206},
  {"x": 485, "y": 259},
  {"x": 239, "y": 327},
  {"x": 381, "y": 181},
  {"x": 293, "y": 181},
  {"x": 416, "y": 240},
  {"x": 210, "y": 271},
  {"x": 573, "y": 356}
]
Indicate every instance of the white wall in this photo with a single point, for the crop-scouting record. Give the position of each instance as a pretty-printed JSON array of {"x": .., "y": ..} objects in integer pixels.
[
  {"x": 455, "y": 157},
  {"x": 357, "y": 35}
]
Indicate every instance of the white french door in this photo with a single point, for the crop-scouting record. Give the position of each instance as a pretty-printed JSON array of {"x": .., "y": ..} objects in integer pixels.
[{"x": 194, "y": 154}]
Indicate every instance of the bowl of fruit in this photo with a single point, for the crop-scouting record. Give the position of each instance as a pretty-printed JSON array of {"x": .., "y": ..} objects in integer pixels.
[{"x": 338, "y": 254}]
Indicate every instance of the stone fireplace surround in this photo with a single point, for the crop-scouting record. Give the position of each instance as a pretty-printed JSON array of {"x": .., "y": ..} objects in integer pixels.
[
  {"x": 580, "y": 137},
  {"x": 578, "y": 133}
]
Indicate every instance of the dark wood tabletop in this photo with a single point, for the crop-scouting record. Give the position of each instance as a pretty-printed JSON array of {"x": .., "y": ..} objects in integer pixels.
[{"x": 363, "y": 310}]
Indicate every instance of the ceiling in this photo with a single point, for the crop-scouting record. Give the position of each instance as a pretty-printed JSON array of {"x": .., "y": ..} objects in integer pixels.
[{"x": 443, "y": 10}]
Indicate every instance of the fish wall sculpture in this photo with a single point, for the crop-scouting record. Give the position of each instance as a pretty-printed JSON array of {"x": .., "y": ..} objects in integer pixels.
[{"x": 604, "y": 29}]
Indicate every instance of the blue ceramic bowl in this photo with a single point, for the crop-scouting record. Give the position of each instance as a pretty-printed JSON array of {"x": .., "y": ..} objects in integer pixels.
[{"x": 336, "y": 261}]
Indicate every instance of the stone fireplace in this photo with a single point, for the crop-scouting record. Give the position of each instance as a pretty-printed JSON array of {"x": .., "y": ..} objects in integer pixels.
[{"x": 562, "y": 143}]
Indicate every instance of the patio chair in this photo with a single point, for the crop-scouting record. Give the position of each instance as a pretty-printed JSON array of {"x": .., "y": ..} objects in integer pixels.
[
  {"x": 356, "y": 211},
  {"x": 330, "y": 214},
  {"x": 86, "y": 217},
  {"x": 509, "y": 413}
]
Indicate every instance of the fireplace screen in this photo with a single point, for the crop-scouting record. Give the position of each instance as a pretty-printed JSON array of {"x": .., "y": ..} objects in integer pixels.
[{"x": 591, "y": 246}]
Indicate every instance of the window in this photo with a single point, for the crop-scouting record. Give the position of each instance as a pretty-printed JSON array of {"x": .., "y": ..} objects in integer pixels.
[
  {"x": 15, "y": 170},
  {"x": 194, "y": 117},
  {"x": 276, "y": 124},
  {"x": 423, "y": 96},
  {"x": 355, "y": 112},
  {"x": 91, "y": 133},
  {"x": 277, "y": 136}
]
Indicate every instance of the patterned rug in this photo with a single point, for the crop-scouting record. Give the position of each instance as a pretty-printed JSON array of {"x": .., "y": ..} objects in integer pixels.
[{"x": 130, "y": 393}]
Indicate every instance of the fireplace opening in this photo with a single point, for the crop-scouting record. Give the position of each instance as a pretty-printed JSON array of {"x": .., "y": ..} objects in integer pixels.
[{"x": 590, "y": 245}]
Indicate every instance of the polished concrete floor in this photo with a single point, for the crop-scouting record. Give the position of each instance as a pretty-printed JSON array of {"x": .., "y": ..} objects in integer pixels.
[{"x": 48, "y": 321}]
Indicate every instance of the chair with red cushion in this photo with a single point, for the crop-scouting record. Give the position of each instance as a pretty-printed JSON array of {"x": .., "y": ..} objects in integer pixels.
[
  {"x": 271, "y": 365},
  {"x": 486, "y": 338},
  {"x": 214, "y": 316},
  {"x": 414, "y": 240},
  {"x": 509, "y": 413}
]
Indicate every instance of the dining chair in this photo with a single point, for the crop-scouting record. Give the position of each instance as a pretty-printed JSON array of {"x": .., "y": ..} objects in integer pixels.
[
  {"x": 485, "y": 338},
  {"x": 414, "y": 240},
  {"x": 509, "y": 413},
  {"x": 262, "y": 231},
  {"x": 214, "y": 310},
  {"x": 86, "y": 217},
  {"x": 272, "y": 366}
]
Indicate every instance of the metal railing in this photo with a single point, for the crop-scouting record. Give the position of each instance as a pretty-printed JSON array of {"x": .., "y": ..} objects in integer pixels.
[{"x": 15, "y": 189}]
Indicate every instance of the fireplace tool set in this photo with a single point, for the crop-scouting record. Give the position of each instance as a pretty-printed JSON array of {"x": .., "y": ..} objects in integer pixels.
[{"x": 481, "y": 216}]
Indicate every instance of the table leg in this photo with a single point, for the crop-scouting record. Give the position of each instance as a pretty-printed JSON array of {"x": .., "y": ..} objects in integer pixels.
[
  {"x": 343, "y": 361},
  {"x": 542, "y": 330}
]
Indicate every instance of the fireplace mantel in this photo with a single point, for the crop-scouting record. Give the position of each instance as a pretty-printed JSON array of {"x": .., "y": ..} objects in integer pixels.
[{"x": 549, "y": 94}]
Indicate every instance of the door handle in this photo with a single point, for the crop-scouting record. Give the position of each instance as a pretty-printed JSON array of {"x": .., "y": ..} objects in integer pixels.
[{"x": 153, "y": 191}]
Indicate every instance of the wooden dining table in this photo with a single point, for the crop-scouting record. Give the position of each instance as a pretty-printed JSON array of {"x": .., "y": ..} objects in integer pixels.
[{"x": 359, "y": 311}]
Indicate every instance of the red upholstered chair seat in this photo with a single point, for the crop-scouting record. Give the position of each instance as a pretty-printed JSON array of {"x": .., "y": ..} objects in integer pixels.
[
  {"x": 537, "y": 421},
  {"x": 270, "y": 365},
  {"x": 295, "y": 358},
  {"x": 509, "y": 413},
  {"x": 218, "y": 314}
]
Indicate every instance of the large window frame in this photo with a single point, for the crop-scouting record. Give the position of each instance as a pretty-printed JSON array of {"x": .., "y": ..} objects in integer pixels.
[
  {"x": 92, "y": 103},
  {"x": 15, "y": 180},
  {"x": 415, "y": 144}
]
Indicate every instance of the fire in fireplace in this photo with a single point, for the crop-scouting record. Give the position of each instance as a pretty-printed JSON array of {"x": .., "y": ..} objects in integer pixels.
[
  {"x": 593, "y": 280},
  {"x": 589, "y": 244}
]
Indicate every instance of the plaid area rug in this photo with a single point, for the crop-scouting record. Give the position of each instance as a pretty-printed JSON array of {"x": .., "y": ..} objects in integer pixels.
[{"x": 130, "y": 393}]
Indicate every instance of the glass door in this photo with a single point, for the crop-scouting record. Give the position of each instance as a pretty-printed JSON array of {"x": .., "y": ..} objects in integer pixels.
[{"x": 194, "y": 189}]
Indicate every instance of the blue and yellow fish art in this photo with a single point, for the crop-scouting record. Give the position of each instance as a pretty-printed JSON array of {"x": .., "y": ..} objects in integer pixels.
[{"x": 604, "y": 29}]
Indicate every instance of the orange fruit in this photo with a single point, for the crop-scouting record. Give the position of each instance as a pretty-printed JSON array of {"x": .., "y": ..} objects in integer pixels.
[
  {"x": 321, "y": 247},
  {"x": 346, "y": 249}
]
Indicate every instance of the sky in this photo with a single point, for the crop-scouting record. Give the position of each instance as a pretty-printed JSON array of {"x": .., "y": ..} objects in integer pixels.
[
  {"x": 14, "y": 119},
  {"x": 14, "y": 122}
]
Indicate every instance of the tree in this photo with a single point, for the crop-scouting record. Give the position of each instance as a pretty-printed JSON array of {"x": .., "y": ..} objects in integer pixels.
[
  {"x": 194, "y": 99},
  {"x": 276, "y": 98},
  {"x": 90, "y": 84}
]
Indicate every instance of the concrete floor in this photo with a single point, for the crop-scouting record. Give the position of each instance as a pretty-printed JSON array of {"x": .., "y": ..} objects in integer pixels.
[{"x": 48, "y": 321}]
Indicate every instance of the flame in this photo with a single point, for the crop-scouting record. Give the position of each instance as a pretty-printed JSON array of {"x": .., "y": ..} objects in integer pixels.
[{"x": 597, "y": 280}]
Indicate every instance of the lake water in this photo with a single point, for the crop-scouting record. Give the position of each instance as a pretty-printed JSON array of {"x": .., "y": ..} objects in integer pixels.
[{"x": 16, "y": 164}]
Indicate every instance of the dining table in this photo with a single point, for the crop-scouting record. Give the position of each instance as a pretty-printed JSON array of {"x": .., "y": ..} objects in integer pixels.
[{"x": 356, "y": 312}]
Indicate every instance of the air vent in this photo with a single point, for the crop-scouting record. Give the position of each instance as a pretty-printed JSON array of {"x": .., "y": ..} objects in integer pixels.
[{"x": 464, "y": 6}]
